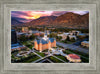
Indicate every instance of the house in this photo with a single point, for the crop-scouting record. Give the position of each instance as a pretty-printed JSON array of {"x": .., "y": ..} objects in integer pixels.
[{"x": 85, "y": 43}]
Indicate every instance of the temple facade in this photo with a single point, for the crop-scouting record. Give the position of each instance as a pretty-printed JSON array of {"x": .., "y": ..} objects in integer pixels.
[{"x": 44, "y": 43}]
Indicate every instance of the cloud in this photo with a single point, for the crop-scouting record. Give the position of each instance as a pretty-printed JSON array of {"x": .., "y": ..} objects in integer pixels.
[
  {"x": 58, "y": 13},
  {"x": 31, "y": 14},
  {"x": 80, "y": 12},
  {"x": 26, "y": 16}
]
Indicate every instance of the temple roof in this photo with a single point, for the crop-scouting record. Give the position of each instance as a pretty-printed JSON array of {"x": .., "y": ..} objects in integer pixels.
[{"x": 45, "y": 41}]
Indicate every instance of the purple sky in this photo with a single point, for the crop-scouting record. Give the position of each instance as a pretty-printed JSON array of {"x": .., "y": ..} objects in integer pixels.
[{"x": 26, "y": 16}]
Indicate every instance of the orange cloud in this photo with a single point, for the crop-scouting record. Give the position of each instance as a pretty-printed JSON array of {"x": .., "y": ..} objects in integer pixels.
[{"x": 36, "y": 14}]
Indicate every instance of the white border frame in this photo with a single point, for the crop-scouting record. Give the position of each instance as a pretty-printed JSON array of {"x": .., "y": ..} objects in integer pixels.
[{"x": 52, "y": 66}]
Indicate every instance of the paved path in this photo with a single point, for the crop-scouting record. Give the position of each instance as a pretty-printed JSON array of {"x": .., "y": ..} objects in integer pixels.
[
  {"x": 50, "y": 61},
  {"x": 61, "y": 53},
  {"x": 37, "y": 54},
  {"x": 45, "y": 60},
  {"x": 41, "y": 59},
  {"x": 73, "y": 47}
]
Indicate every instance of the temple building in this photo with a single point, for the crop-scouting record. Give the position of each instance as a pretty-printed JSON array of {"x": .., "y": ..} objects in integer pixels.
[{"x": 44, "y": 43}]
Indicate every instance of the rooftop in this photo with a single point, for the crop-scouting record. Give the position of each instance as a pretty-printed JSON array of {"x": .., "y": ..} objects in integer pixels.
[
  {"x": 45, "y": 41},
  {"x": 86, "y": 41},
  {"x": 74, "y": 56}
]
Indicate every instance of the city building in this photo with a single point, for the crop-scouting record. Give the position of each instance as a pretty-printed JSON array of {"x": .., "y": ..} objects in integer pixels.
[
  {"x": 14, "y": 43},
  {"x": 37, "y": 33},
  {"x": 44, "y": 43},
  {"x": 65, "y": 35},
  {"x": 73, "y": 58},
  {"x": 17, "y": 47},
  {"x": 24, "y": 29},
  {"x": 19, "y": 34},
  {"x": 72, "y": 36},
  {"x": 60, "y": 35},
  {"x": 13, "y": 37},
  {"x": 74, "y": 32},
  {"x": 82, "y": 35},
  {"x": 85, "y": 43}
]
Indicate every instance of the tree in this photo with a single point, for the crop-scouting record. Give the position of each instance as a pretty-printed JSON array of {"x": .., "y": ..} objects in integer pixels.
[
  {"x": 12, "y": 56},
  {"x": 73, "y": 39},
  {"x": 81, "y": 37},
  {"x": 32, "y": 37},
  {"x": 68, "y": 39},
  {"x": 23, "y": 38},
  {"x": 53, "y": 35}
]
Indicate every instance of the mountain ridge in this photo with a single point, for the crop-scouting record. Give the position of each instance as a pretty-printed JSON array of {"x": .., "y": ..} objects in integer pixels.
[{"x": 69, "y": 19}]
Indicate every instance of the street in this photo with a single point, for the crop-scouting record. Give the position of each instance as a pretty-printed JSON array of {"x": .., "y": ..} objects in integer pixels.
[{"x": 73, "y": 47}]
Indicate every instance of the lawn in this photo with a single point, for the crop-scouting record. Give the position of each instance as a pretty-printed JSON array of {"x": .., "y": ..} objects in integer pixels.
[
  {"x": 29, "y": 44},
  {"x": 15, "y": 52},
  {"x": 62, "y": 57},
  {"x": 67, "y": 52},
  {"x": 41, "y": 54},
  {"x": 32, "y": 57},
  {"x": 54, "y": 59},
  {"x": 25, "y": 43},
  {"x": 45, "y": 50}
]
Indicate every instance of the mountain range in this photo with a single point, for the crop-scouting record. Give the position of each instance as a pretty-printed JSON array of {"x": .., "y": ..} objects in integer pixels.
[
  {"x": 15, "y": 21},
  {"x": 69, "y": 20}
]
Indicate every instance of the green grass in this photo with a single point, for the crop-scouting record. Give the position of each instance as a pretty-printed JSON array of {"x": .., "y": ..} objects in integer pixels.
[
  {"x": 62, "y": 57},
  {"x": 41, "y": 54},
  {"x": 67, "y": 52},
  {"x": 45, "y": 50},
  {"x": 31, "y": 57},
  {"x": 29, "y": 44},
  {"x": 25, "y": 43},
  {"x": 54, "y": 59},
  {"x": 15, "y": 52}
]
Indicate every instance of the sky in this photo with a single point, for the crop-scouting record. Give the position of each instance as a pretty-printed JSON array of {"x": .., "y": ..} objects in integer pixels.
[{"x": 26, "y": 16}]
